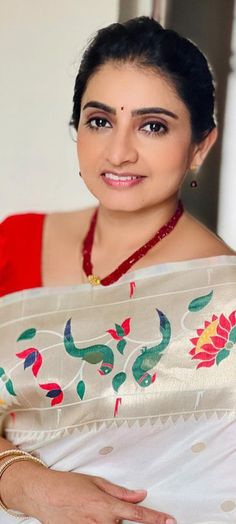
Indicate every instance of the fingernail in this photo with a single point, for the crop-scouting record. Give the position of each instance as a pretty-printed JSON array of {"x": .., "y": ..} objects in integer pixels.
[
  {"x": 141, "y": 491},
  {"x": 171, "y": 521}
]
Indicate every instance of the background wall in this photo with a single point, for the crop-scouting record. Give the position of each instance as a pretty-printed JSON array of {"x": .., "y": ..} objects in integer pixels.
[
  {"x": 40, "y": 49},
  {"x": 209, "y": 24}
]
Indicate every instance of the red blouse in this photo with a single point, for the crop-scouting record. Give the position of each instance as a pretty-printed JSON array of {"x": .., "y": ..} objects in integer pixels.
[{"x": 20, "y": 252}]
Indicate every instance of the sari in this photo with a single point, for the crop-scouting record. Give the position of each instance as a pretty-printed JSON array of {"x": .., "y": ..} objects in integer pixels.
[{"x": 135, "y": 382}]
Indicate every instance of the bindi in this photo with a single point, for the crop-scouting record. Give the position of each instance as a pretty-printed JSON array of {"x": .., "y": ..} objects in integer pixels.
[{"x": 122, "y": 108}]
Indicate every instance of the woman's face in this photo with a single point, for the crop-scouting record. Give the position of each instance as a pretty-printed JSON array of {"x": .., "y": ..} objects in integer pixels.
[{"x": 134, "y": 138}]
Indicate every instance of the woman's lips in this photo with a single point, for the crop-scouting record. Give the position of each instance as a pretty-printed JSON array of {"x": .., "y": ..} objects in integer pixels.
[{"x": 121, "y": 181}]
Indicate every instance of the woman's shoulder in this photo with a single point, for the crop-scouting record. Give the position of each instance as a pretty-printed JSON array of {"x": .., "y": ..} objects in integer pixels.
[
  {"x": 202, "y": 242},
  {"x": 71, "y": 224}
]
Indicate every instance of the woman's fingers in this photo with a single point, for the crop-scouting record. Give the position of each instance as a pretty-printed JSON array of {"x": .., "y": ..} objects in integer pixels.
[
  {"x": 125, "y": 507},
  {"x": 120, "y": 492},
  {"x": 136, "y": 513}
]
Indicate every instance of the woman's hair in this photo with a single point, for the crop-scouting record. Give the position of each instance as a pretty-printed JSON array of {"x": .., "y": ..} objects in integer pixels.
[{"x": 143, "y": 41}]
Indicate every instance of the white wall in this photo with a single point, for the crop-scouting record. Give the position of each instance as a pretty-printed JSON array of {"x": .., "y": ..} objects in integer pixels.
[{"x": 40, "y": 49}]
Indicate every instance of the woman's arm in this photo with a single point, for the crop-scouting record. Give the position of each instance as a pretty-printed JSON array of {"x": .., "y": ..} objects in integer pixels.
[{"x": 55, "y": 497}]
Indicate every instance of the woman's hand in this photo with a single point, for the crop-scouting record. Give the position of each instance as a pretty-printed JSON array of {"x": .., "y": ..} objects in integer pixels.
[
  {"x": 72, "y": 498},
  {"x": 55, "y": 497}
]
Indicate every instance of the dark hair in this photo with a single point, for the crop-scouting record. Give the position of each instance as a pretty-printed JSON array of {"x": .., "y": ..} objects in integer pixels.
[{"x": 144, "y": 42}]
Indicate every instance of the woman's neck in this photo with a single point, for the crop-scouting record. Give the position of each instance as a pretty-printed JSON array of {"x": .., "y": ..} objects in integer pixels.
[{"x": 129, "y": 230}]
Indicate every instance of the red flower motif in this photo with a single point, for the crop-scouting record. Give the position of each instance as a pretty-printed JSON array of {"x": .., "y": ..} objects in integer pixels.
[
  {"x": 215, "y": 340},
  {"x": 32, "y": 358},
  {"x": 54, "y": 392},
  {"x": 121, "y": 331}
]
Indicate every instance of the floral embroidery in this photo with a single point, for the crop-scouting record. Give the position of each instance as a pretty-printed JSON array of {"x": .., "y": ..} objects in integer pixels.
[
  {"x": 215, "y": 340},
  {"x": 32, "y": 358},
  {"x": 99, "y": 354},
  {"x": 119, "y": 333},
  {"x": 54, "y": 392}
]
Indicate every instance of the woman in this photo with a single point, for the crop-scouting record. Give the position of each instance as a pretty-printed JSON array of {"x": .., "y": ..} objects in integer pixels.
[{"x": 124, "y": 377}]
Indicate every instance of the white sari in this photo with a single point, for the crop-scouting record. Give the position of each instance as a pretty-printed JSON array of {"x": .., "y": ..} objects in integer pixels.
[{"x": 135, "y": 383}]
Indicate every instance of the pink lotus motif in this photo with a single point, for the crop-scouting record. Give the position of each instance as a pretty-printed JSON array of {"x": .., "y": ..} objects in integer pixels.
[
  {"x": 121, "y": 331},
  {"x": 215, "y": 340}
]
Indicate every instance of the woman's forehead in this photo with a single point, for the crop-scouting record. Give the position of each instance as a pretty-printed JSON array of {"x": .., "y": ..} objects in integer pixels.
[{"x": 128, "y": 84}]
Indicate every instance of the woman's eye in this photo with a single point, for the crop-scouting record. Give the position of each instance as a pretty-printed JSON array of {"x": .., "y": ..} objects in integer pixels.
[
  {"x": 154, "y": 128},
  {"x": 97, "y": 123}
]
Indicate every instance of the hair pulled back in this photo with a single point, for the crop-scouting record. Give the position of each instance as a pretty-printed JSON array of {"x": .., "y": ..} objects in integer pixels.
[{"x": 145, "y": 43}]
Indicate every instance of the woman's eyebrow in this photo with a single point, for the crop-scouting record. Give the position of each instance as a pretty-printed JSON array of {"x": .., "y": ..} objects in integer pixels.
[
  {"x": 155, "y": 110},
  {"x": 99, "y": 105},
  {"x": 134, "y": 112}
]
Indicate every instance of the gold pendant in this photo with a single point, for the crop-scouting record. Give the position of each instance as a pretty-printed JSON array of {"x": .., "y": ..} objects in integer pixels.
[{"x": 93, "y": 280}]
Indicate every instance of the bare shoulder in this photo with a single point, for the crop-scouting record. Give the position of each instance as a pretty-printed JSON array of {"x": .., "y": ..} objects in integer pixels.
[
  {"x": 68, "y": 225},
  {"x": 201, "y": 241}
]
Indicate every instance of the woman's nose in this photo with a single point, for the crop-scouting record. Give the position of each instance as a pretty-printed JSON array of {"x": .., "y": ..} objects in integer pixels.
[{"x": 121, "y": 149}]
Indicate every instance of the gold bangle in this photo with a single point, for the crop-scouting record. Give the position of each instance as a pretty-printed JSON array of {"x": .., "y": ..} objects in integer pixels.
[
  {"x": 3, "y": 468},
  {"x": 12, "y": 452}
]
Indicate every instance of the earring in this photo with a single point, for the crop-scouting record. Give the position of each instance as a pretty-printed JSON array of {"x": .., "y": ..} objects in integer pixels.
[
  {"x": 193, "y": 183},
  {"x": 80, "y": 174}
]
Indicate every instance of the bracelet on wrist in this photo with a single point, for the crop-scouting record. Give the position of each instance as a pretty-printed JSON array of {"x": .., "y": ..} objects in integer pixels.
[
  {"x": 12, "y": 453},
  {"x": 20, "y": 457}
]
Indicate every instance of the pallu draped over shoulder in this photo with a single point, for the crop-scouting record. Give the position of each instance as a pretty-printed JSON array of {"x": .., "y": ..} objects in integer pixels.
[{"x": 135, "y": 382}]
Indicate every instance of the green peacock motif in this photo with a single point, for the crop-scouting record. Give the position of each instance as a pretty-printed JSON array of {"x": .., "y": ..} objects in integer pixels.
[
  {"x": 150, "y": 356},
  {"x": 91, "y": 354}
]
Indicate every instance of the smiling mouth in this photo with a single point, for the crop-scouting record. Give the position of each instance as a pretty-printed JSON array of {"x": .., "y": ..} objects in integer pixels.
[{"x": 121, "y": 181}]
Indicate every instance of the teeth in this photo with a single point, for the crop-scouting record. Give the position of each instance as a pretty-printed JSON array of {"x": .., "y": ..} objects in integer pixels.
[{"x": 111, "y": 176}]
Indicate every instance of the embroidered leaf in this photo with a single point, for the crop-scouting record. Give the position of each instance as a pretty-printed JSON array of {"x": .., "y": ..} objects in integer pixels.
[
  {"x": 119, "y": 330},
  {"x": 2, "y": 372},
  {"x": 126, "y": 326},
  {"x": 118, "y": 380},
  {"x": 10, "y": 387},
  {"x": 53, "y": 393},
  {"x": 232, "y": 336},
  {"x": 121, "y": 346},
  {"x": 57, "y": 400},
  {"x": 113, "y": 334},
  {"x": 200, "y": 302},
  {"x": 29, "y": 333},
  {"x": 29, "y": 360},
  {"x": 37, "y": 365},
  {"x": 50, "y": 386},
  {"x": 81, "y": 389},
  {"x": 222, "y": 355}
]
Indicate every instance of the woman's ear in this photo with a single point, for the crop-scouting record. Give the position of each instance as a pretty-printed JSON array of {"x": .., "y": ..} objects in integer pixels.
[{"x": 201, "y": 150}]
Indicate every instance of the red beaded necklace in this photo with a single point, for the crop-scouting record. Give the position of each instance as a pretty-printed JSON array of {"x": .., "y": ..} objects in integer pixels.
[{"x": 126, "y": 264}]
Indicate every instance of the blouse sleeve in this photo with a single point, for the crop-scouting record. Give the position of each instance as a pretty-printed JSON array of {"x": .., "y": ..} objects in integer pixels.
[{"x": 21, "y": 252}]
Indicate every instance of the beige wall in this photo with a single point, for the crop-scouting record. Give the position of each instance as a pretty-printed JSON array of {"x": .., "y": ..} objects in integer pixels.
[{"x": 40, "y": 49}]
